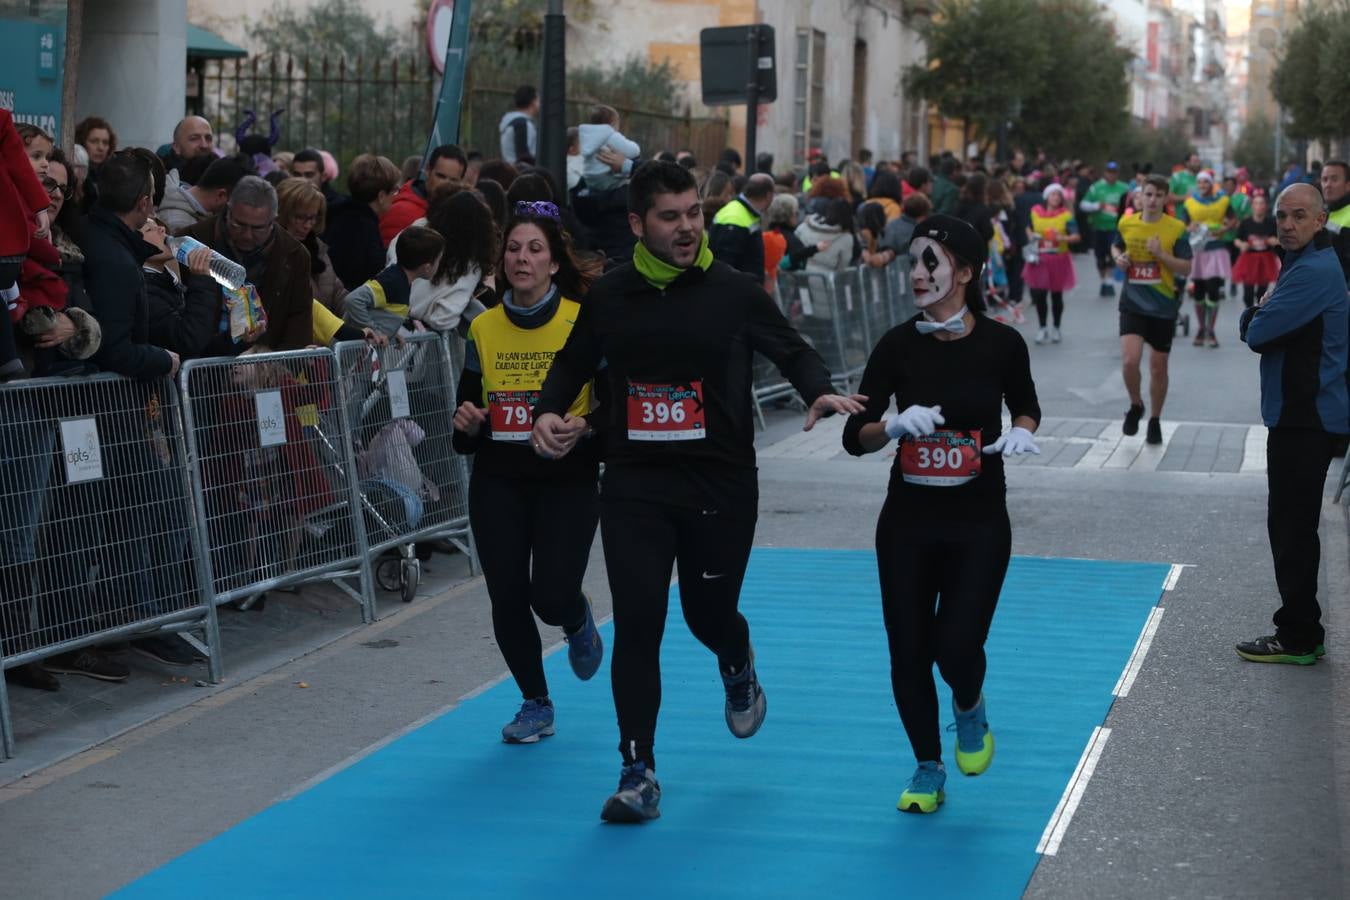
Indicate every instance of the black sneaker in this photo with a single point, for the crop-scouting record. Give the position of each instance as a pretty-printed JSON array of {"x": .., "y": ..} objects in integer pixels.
[
  {"x": 1132, "y": 417},
  {"x": 167, "y": 649},
  {"x": 1154, "y": 435},
  {"x": 746, "y": 705},
  {"x": 638, "y": 798},
  {"x": 89, "y": 663},
  {"x": 1269, "y": 649},
  {"x": 32, "y": 676}
]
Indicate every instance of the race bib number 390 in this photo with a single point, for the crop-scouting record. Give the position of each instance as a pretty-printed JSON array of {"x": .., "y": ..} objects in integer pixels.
[
  {"x": 666, "y": 412},
  {"x": 512, "y": 414},
  {"x": 941, "y": 459}
]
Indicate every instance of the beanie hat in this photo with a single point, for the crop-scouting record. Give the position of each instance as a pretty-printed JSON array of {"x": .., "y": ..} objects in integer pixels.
[{"x": 957, "y": 236}]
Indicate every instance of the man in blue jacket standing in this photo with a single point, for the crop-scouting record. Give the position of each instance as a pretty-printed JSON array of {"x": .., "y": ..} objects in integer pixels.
[{"x": 1300, "y": 330}]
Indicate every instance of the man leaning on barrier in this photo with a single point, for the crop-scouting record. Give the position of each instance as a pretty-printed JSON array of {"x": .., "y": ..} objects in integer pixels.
[
  {"x": 246, "y": 231},
  {"x": 135, "y": 521}
]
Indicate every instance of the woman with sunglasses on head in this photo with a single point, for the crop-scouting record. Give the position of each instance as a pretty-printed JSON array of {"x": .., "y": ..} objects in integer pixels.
[
  {"x": 534, "y": 519},
  {"x": 943, "y": 538}
]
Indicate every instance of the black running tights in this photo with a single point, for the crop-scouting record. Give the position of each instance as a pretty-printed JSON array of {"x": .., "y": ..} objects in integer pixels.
[
  {"x": 1056, "y": 304},
  {"x": 1208, "y": 290},
  {"x": 642, "y": 541},
  {"x": 1251, "y": 293},
  {"x": 939, "y": 586},
  {"x": 534, "y": 540}
]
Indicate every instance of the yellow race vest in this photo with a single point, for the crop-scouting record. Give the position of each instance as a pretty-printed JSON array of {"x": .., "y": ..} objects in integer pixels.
[
  {"x": 1211, "y": 215},
  {"x": 1043, "y": 225},
  {"x": 1145, "y": 269},
  {"x": 514, "y": 363}
]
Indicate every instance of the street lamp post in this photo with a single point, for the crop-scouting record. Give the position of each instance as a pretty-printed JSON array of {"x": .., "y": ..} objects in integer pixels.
[{"x": 553, "y": 99}]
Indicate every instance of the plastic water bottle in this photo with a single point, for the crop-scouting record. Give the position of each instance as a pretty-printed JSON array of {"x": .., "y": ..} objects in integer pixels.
[{"x": 226, "y": 271}]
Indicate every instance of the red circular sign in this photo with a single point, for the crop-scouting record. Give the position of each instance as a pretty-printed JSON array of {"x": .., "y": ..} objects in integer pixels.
[{"x": 439, "y": 18}]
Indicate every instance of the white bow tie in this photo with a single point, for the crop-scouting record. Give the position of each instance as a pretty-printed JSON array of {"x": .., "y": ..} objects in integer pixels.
[{"x": 956, "y": 324}]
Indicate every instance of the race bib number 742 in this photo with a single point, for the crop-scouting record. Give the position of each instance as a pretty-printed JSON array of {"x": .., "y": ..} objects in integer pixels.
[{"x": 666, "y": 412}]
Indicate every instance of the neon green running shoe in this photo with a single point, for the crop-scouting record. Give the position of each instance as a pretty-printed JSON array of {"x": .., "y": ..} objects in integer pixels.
[
  {"x": 974, "y": 740},
  {"x": 1269, "y": 649},
  {"x": 924, "y": 792},
  {"x": 1321, "y": 650}
]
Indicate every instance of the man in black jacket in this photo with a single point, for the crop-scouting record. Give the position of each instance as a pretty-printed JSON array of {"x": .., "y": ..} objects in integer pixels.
[
  {"x": 143, "y": 550},
  {"x": 113, "y": 254},
  {"x": 676, "y": 331},
  {"x": 736, "y": 237}
]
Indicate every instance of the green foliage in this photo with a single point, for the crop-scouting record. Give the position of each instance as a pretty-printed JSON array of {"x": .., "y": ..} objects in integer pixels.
[
  {"x": 1137, "y": 143},
  {"x": 336, "y": 28},
  {"x": 1255, "y": 149},
  {"x": 1050, "y": 67},
  {"x": 1312, "y": 81},
  {"x": 506, "y": 50}
]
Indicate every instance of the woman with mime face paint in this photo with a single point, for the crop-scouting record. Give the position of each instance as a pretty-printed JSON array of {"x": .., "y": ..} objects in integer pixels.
[{"x": 943, "y": 538}]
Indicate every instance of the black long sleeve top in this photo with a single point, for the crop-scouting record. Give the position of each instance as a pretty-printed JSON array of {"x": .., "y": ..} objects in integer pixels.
[
  {"x": 971, "y": 379},
  {"x": 695, "y": 337}
]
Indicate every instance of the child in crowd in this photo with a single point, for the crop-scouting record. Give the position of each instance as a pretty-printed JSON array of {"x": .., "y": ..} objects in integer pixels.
[
  {"x": 603, "y": 131},
  {"x": 23, "y": 202},
  {"x": 382, "y": 303}
]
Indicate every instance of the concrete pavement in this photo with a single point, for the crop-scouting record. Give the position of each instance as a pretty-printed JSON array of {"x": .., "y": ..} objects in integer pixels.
[{"x": 1219, "y": 778}]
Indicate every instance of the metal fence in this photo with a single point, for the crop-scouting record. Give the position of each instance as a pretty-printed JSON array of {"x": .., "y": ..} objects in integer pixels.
[
  {"x": 96, "y": 536},
  {"x": 400, "y": 400},
  {"x": 274, "y": 476},
  {"x": 385, "y": 105},
  {"x": 842, "y": 315}
]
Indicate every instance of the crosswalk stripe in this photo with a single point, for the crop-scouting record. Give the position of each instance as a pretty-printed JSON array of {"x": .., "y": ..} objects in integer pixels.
[{"x": 1107, "y": 447}]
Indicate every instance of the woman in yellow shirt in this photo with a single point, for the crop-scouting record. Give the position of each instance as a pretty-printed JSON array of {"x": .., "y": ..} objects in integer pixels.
[{"x": 1049, "y": 269}]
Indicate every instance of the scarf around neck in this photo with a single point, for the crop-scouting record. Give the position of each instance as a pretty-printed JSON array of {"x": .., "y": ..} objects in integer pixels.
[{"x": 659, "y": 273}]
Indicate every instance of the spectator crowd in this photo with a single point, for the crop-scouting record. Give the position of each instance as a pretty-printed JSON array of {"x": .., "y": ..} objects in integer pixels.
[{"x": 93, "y": 282}]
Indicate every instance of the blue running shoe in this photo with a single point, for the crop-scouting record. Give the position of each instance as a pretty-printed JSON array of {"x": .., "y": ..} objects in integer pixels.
[
  {"x": 534, "y": 721},
  {"x": 585, "y": 650},
  {"x": 746, "y": 705},
  {"x": 974, "y": 740},
  {"x": 637, "y": 799},
  {"x": 924, "y": 793}
]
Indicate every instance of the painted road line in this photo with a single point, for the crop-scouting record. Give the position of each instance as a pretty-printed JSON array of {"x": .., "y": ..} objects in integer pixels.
[
  {"x": 1151, "y": 454},
  {"x": 1122, "y": 688},
  {"x": 1101, "y": 450},
  {"x": 1058, "y": 825},
  {"x": 1174, "y": 575},
  {"x": 1254, "y": 450}
]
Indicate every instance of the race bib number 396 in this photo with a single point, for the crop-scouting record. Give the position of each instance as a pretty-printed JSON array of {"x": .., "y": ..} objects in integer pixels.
[
  {"x": 511, "y": 412},
  {"x": 666, "y": 412},
  {"x": 941, "y": 459}
]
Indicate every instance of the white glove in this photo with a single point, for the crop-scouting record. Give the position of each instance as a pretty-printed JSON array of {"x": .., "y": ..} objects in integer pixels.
[
  {"x": 1016, "y": 442},
  {"x": 916, "y": 421}
]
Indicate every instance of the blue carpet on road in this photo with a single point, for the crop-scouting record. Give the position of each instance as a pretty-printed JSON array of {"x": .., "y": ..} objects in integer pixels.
[{"x": 804, "y": 809}]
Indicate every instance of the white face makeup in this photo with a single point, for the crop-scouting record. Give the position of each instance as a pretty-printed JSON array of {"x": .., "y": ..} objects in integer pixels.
[{"x": 932, "y": 271}]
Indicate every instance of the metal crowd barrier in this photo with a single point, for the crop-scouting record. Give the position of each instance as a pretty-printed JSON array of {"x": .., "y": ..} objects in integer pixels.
[
  {"x": 400, "y": 401},
  {"x": 274, "y": 477},
  {"x": 842, "y": 315},
  {"x": 97, "y": 540}
]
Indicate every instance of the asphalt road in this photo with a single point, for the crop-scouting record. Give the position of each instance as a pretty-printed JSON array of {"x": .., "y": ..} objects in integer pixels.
[{"x": 1220, "y": 778}]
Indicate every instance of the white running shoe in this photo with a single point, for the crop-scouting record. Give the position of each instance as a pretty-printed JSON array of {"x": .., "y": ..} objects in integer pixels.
[
  {"x": 1054, "y": 336},
  {"x": 1043, "y": 335}
]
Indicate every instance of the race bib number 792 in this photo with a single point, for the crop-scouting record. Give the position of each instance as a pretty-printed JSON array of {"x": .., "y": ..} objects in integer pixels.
[{"x": 512, "y": 414}]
